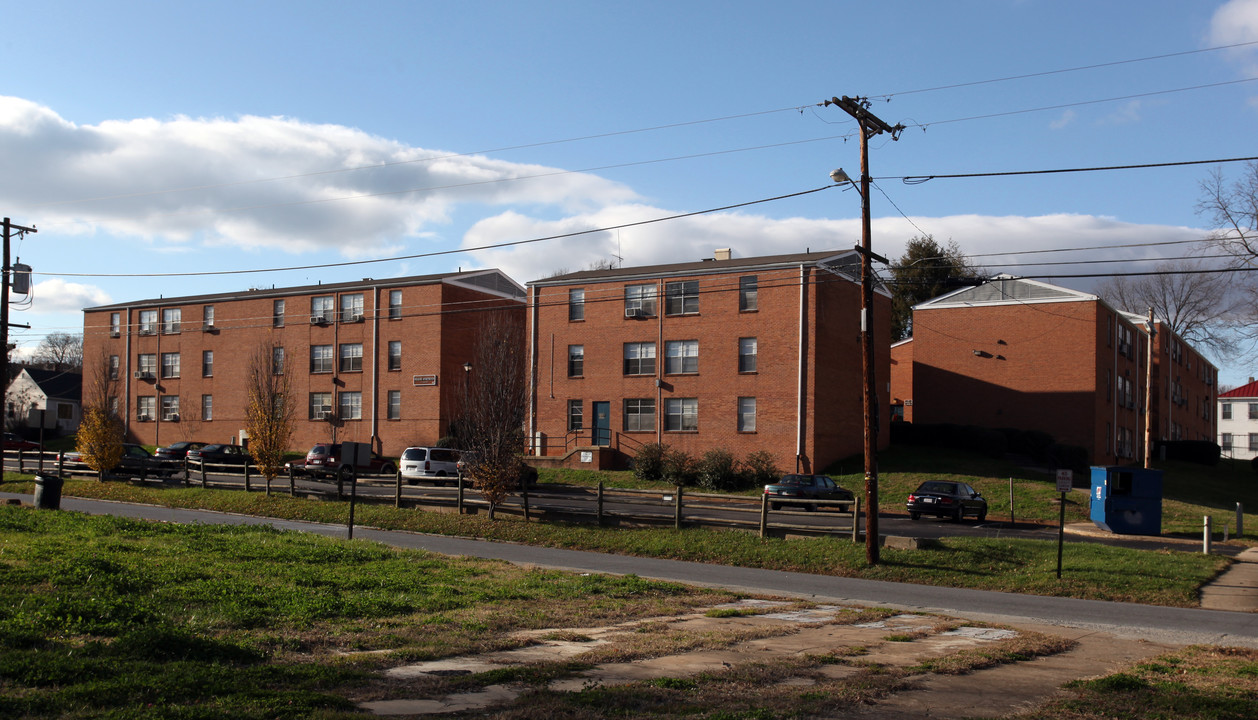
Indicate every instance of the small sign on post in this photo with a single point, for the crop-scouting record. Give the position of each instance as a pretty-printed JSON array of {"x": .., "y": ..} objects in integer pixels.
[{"x": 1065, "y": 483}]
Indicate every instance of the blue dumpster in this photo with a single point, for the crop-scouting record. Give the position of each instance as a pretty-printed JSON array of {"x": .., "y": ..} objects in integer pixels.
[{"x": 1127, "y": 500}]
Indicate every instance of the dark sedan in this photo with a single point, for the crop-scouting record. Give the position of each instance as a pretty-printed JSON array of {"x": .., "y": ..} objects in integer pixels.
[
  {"x": 797, "y": 487},
  {"x": 15, "y": 442},
  {"x": 177, "y": 451},
  {"x": 219, "y": 455},
  {"x": 946, "y": 499}
]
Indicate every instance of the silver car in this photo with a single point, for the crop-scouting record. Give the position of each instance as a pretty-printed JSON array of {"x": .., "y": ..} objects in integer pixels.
[{"x": 429, "y": 463}]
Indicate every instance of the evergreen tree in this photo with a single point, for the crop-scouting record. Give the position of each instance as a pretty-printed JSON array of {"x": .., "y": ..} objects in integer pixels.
[{"x": 925, "y": 271}]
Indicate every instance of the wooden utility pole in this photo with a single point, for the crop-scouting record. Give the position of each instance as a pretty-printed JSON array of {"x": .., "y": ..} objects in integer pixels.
[
  {"x": 1148, "y": 394},
  {"x": 5, "y": 280},
  {"x": 870, "y": 126}
]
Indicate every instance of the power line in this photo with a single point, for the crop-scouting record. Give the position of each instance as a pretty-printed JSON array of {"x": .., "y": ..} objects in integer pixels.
[{"x": 918, "y": 179}]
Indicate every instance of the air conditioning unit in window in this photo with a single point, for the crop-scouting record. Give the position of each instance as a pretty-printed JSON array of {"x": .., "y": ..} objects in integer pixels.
[
  {"x": 318, "y": 320},
  {"x": 207, "y": 327},
  {"x": 114, "y": 333},
  {"x": 142, "y": 417},
  {"x": 148, "y": 331},
  {"x": 635, "y": 313},
  {"x": 353, "y": 318},
  {"x": 173, "y": 418},
  {"x": 142, "y": 375}
]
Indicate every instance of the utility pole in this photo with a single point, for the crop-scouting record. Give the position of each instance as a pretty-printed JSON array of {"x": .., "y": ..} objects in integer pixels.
[
  {"x": 870, "y": 126},
  {"x": 1148, "y": 395},
  {"x": 5, "y": 279}
]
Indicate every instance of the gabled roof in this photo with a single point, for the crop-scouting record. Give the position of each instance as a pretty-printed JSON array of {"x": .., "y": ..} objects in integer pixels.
[
  {"x": 1247, "y": 390},
  {"x": 845, "y": 263},
  {"x": 59, "y": 384},
  {"x": 489, "y": 280},
  {"x": 1007, "y": 290}
]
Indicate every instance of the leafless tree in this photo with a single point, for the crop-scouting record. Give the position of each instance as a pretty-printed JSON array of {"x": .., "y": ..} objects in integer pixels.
[
  {"x": 490, "y": 427},
  {"x": 1198, "y": 305},
  {"x": 1231, "y": 206},
  {"x": 60, "y": 351}
]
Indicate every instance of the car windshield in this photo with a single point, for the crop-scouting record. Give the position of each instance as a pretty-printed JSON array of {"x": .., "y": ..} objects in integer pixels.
[
  {"x": 938, "y": 487},
  {"x": 319, "y": 450},
  {"x": 212, "y": 448},
  {"x": 795, "y": 480}
]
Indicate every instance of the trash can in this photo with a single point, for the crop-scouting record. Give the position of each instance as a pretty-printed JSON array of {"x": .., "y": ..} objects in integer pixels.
[
  {"x": 47, "y": 492},
  {"x": 1127, "y": 500}
]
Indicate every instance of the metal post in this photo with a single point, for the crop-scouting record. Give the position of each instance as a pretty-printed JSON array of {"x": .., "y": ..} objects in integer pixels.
[
  {"x": 397, "y": 495},
  {"x": 677, "y": 509},
  {"x": 353, "y": 499},
  {"x": 599, "y": 514},
  {"x": 1011, "y": 519},
  {"x": 1061, "y": 532},
  {"x": 764, "y": 515},
  {"x": 1205, "y": 535},
  {"x": 856, "y": 521},
  {"x": 1240, "y": 520}
]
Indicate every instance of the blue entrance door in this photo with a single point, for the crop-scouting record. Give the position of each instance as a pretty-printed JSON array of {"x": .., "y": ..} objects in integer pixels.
[{"x": 602, "y": 423}]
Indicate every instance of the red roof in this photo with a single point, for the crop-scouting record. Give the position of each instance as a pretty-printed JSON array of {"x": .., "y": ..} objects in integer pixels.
[{"x": 1248, "y": 390}]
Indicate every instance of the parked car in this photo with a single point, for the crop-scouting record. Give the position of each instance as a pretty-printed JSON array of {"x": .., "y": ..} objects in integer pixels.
[
  {"x": 816, "y": 487},
  {"x": 15, "y": 442},
  {"x": 946, "y": 499},
  {"x": 222, "y": 454},
  {"x": 325, "y": 459},
  {"x": 427, "y": 463},
  {"x": 178, "y": 450},
  {"x": 136, "y": 460}
]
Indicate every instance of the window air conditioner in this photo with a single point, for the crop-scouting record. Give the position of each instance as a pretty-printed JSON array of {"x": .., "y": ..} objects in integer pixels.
[
  {"x": 173, "y": 418},
  {"x": 148, "y": 331},
  {"x": 318, "y": 320},
  {"x": 114, "y": 333},
  {"x": 137, "y": 375},
  {"x": 353, "y": 318},
  {"x": 142, "y": 417},
  {"x": 207, "y": 327},
  {"x": 635, "y": 312}
]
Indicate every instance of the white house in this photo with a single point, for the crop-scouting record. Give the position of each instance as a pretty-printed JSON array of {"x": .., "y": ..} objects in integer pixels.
[
  {"x": 1238, "y": 422},
  {"x": 55, "y": 396}
]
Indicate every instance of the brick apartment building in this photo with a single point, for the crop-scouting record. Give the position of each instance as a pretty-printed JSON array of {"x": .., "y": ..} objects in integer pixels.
[
  {"x": 378, "y": 361},
  {"x": 1238, "y": 421},
  {"x": 742, "y": 354},
  {"x": 1017, "y": 353}
]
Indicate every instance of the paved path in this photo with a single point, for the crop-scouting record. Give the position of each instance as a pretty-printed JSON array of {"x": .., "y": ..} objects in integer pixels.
[{"x": 1149, "y": 622}]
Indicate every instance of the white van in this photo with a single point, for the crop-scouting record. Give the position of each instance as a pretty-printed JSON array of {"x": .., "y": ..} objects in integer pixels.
[{"x": 428, "y": 463}]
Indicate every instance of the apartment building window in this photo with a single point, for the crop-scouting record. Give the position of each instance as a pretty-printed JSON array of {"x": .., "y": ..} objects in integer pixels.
[
  {"x": 681, "y": 298},
  {"x": 352, "y": 307},
  {"x": 395, "y": 354},
  {"x": 748, "y": 292},
  {"x": 320, "y": 405},
  {"x": 746, "y": 414},
  {"x": 115, "y": 324},
  {"x": 576, "y": 360},
  {"x": 394, "y": 408},
  {"x": 277, "y": 313},
  {"x": 576, "y": 304},
  {"x": 640, "y": 300},
  {"x": 1109, "y": 438},
  {"x": 148, "y": 322},
  {"x": 320, "y": 358},
  {"x": 171, "y": 321},
  {"x": 113, "y": 405},
  {"x": 322, "y": 309},
  {"x": 1253, "y": 442},
  {"x": 1227, "y": 411},
  {"x": 576, "y": 415},
  {"x": 1253, "y": 411},
  {"x": 351, "y": 404},
  {"x": 170, "y": 408},
  {"x": 395, "y": 304},
  {"x": 640, "y": 358},
  {"x": 207, "y": 317},
  {"x": 351, "y": 357},
  {"x": 639, "y": 415},
  {"x": 277, "y": 361},
  {"x": 146, "y": 364},
  {"x": 145, "y": 408},
  {"x": 207, "y": 407},
  {"x": 681, "y": 356},
  {"x": 681, "y": 414},
  {"x": 113, "y": 367},
  {"x": 747, "y": 355},
  {"x": 207, "y": 363}
]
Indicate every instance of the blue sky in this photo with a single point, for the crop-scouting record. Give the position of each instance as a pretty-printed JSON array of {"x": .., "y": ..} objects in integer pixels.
[{"x": 158, "y": 137}]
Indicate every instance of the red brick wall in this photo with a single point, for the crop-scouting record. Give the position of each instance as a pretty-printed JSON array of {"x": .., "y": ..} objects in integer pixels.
[{"x": 902, "y": 377}]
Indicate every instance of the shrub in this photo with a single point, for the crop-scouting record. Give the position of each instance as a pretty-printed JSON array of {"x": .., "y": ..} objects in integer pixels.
[
  {"x": 760, "y": 468},
  {"x": 648, "y": 463},
  {"x": 718, "y": 470},
  {"x": 677, "y": 467}
]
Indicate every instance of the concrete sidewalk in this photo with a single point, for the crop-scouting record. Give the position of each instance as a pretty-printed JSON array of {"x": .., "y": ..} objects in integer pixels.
[{"x": 1147, "y": 622}]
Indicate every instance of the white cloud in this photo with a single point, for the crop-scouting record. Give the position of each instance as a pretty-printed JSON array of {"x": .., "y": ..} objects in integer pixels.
[
  {"x": 1065, "y": 119},
  {"x": 57, "y": 295},
  {"x": 1236, "y": 21},
  {"x": 694, "y": 238},
  {"x": 258, "y": 182}
]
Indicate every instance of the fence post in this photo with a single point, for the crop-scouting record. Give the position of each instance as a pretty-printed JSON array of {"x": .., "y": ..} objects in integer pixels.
[
  {"x": 600, "y": 503},
  {"x": 1240, "y": 520},
  {"x": 856, "y": 521},
  {"x": 459, "y": 503},
  {"x": 61, "y": 465},
  {"x": 247, "y": 489},
  {"x": 677, "y": 511},
  {"x": 397, "y": 495},
  {"x": 764, "y": 515},
  {"x": 1205, "y": 535},
  {"x": 292, "y": 483},
  {"x": 524, "y": 493},
  {"x": 20, "y": 455},
  {"x": 187, "y": 472},
  {"x": 202, "y": 473}
]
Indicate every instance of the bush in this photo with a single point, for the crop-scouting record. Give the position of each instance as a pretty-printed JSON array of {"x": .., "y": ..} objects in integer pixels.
[
  {"x": 760, "y": 468},
  {"x": 1068, "y": 456},
  {"x": 718, "y": 470},
  {"x": 648, "y": 464},
  {"x": 677, "y": 467}
]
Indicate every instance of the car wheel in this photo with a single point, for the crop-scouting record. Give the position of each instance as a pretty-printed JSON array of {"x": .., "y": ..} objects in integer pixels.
[
  {"x": 915, "y": 516},
  {"x": 982, "y": 516},
  {"x": 388, "y": 470},
  {"x": 956, "y": 516},
  {"x": 775, "y": 506}
]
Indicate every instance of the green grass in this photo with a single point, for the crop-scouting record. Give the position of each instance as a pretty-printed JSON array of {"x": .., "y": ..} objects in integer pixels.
[
  {"x": 1027, "y": 566},
  {"x": 108, "y": 617}
]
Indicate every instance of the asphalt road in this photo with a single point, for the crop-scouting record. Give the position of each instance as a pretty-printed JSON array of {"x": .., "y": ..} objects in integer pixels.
[{"x": 1154, "y": 623}]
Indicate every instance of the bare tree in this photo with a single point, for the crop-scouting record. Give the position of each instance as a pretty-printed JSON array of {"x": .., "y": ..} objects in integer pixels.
[
  {"x": 268, "y": 413},
  {"x": 491, "y": 425},
  {"x": 101, "y": 432},
  {"x": 1196, "y": 304},
  {"x": 1232, "y": 209},
  {"x": 60, "y": 351}
]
